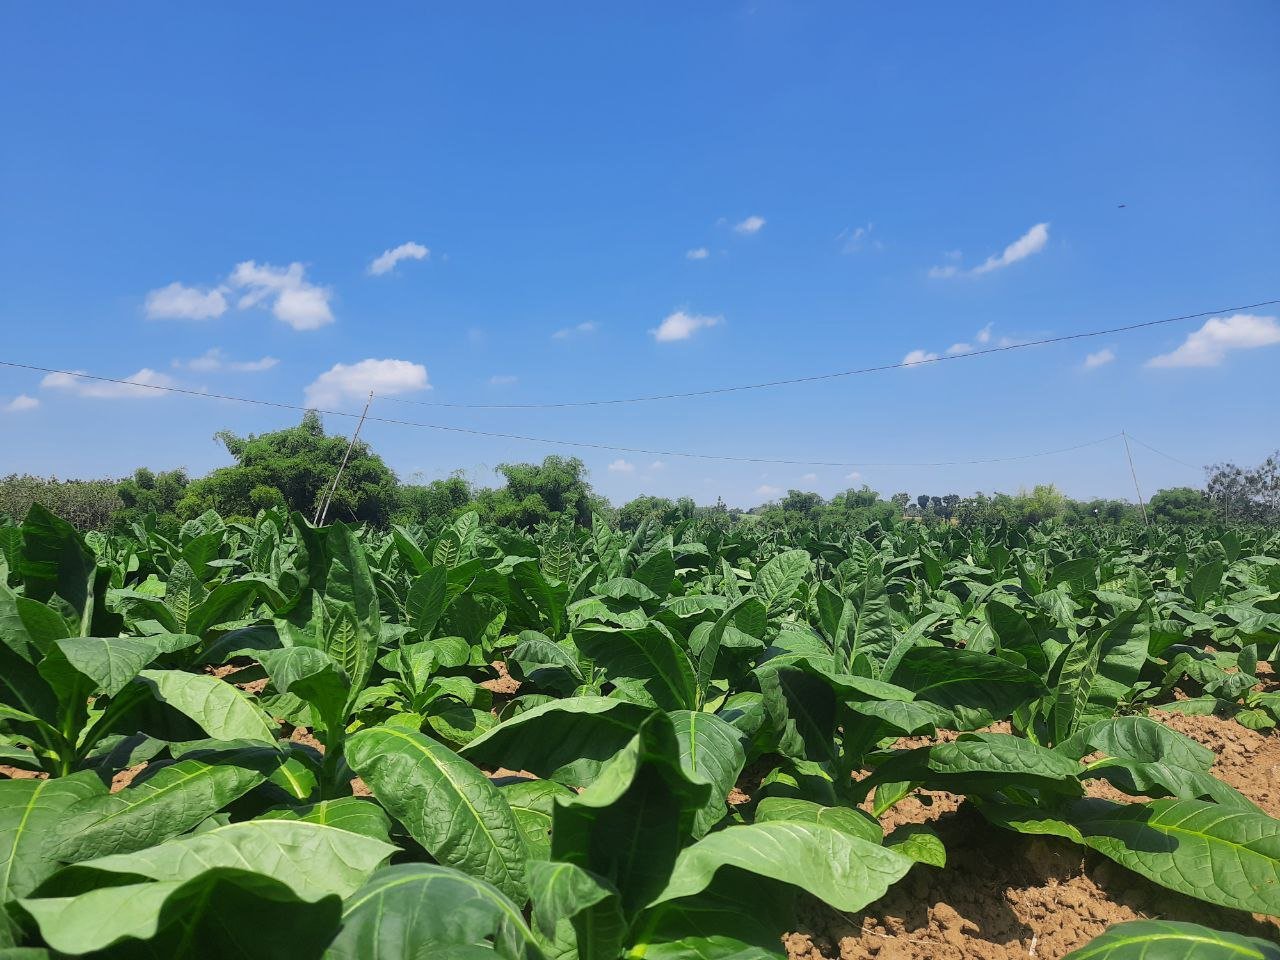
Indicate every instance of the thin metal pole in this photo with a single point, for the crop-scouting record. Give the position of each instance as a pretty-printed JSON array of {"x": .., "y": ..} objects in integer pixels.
[
  {"x": 322, "y": 512},
  {"x": 1134, "y": 473}
]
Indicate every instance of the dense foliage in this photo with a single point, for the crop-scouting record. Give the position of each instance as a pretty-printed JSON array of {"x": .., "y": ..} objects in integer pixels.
[
  {"x": 294, "y": 469},
  {"x": 307, "y": 724}
]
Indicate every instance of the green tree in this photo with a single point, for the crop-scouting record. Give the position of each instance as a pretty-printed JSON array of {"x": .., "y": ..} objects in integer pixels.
[
  {"x": 149, "y": 492},
  {"x": 539, "y": 493},
  {"x": 436, "y": 503},
  {"x": 1181, "y": 505},
  {"x": 660, "y": 509},
  {"x": 295, "y": 467},
  {"x": 89, "y": 504}
]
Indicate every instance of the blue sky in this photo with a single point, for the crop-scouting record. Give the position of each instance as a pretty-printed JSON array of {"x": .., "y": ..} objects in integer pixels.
[{"x": 599, "y": 201}]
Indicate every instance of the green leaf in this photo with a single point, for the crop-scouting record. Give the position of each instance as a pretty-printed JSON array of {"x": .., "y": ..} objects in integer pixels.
[
  {"x": 567, "y": 740},
  {"x": 543, "y": 663},
  {"x": 533, "y": 802},
  {"x": 445, "y": 803},
  {"x": 711, "y": 751},
  {"x": 1150, "y": 759},
  {"x": 918, "y": 842},
  {"x": 628, "y": 826},
  {"x": 852, "y": 821},
  {"x": 31, "y": 810},
  {"x": 421, "y": 910},
  {"x": 778, "y": 579},
  {"x": 1224, "y": 855},
  {"x": 312, "y": 675},
  {"x": 106, "y": 663},
  {"x": 646, "y": 665},
  {"x": 1172, "y": 940},
  {"x": 842, "y": 870},
  {"x": 566, "y": 892},
  {"x": 980, "y": 763},
  {"x": 159, "y": 808},
  {"x": 220, "y": 709},
  {"x": 83, "y": 907},
  {"x": 353, "y": 814},
  {"x": 426, "y": 600},
  {"x": 227, "y": 601},
  {"x": 977, "y": 687}
]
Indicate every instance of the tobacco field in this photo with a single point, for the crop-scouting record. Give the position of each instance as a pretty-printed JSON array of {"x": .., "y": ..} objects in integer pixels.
[{"x": 269, "y": 739}]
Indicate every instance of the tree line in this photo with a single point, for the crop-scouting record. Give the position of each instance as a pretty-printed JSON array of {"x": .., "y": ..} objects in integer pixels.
[{"x": 294, "y": 468}]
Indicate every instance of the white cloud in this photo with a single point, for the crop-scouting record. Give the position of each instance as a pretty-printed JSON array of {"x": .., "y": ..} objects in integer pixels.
[
  {"x": 1033, "y": 241},
  {"x": 176, "y": 302},
  {"x": 389, "y": 258},
  {"x": 295, "y": 301},
  {"x": 215, "y": 360},
  {"x": 858, "y": 239},
  {"x": 1099, "y": 359},
  {"x": 958, "y": 348},
  {"x": 1209, "y": 346},
  {"x": 502, "y": 380},
  {"x": 564, "y": 333},
  {"x": 385, "y": 378},
  {"x": 681, "y": 326},
  {"x": 765, "y": 490},
  {"x": 810, "y": 478},
  {"x": 697, "y": 253},
  {"x": 101, "y": 390},
  {"x": 752, "y": 225},
  {"x": 657, "y": 465},
  {"x": 21, "y": 403},
  {"x": 622, "y": 466},
  {"x": 919, "y": 356},
  {"x": 853, "y": 476},
  {"x": 984, "y": 335}
]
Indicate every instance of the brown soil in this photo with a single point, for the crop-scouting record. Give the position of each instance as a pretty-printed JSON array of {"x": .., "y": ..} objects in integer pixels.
[
  {"x": 1003, "y": 895},
  {"x": 504, "y": 684},
  {"x": 126, "y": 777},
  {"x": 17, "y": 773}
]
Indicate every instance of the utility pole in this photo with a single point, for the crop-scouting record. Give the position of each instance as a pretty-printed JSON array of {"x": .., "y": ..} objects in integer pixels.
[
  {"x": 1134, "y": 473},
  {"x": 322, "y": 511}
]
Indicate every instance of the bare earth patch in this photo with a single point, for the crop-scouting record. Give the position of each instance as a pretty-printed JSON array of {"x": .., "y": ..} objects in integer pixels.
[{"x": 1003, "y": 895}]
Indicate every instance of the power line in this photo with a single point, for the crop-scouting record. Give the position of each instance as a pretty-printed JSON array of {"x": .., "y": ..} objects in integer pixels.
[
  {"x": 544, "y": 440},
  {"x": 1191, "y": 466},
  {"x": 986, "y": 351}
]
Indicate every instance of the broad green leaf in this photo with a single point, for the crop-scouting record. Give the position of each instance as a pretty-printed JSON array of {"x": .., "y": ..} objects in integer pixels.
[
  {"x": 217, "y": 706},
  {"x": 106, "y": 663},
  {"x": 1225, "y": 855},
  {"x": 426, "y": 600},
  {"x": 1172, "y": 940},
  {"x": 533, "y": 803},
  {"x": 354, "y": 814},
  {"x": 566, "y": 892},
  {"x": 158, "y": 808},
  {"x": 918, "y": 842},
  {"x": 567, "y": 740},
  {"x": 421, "y": 910},
  {"x": 778, "y": 579},
  {"x": 645, "y": 665},
  {"x": 445, "y": 803},
  {"x": 188, "y": 920},
  {"x": 979, "y": 763},
  {"x": 852, "y": 821},
  {"x": 31, "y": 810},
  {"x": 711, "y": 751},
  {"x": 845, "y": 871},
  {"x": 313, "y": 860},
  {"x": 628, "y": 826},
  {"x": 977, "y": 687}
]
